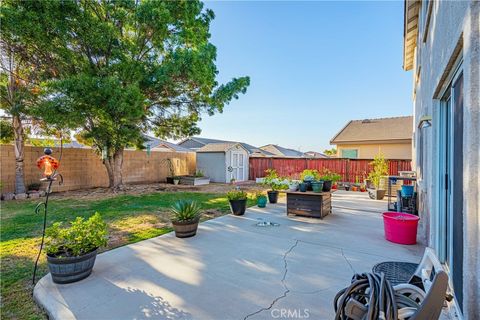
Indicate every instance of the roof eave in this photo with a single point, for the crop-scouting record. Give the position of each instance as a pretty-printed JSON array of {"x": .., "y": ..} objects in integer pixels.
[
  {"x": 410, "y": 32},
  {"x": 403, "y": 140}
]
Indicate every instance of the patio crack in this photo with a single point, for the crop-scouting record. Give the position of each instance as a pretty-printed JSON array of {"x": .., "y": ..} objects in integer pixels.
[
  {"x": 348, "y": 262},
  {"x": 287, "y": 290}
]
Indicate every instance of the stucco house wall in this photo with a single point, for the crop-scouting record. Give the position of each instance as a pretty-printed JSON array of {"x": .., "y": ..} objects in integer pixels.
[
  {"x": 453, "y": 30},
  {"x": 389, "y": 150}
]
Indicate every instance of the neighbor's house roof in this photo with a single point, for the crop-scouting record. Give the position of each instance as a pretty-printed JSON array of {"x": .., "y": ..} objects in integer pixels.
[
  {"x": 159, "y": 143},
  {"x": 220, "y": 147},
  {"x": 315, "y": 154},
  {"x": 383, "y": 130},
  {"x": 410, "y": 31},
  {"x": 251, "y": 149},
  {"x": 277, "y": 150}
]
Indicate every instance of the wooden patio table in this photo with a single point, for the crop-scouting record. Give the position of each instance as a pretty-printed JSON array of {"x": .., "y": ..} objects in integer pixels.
[{"x": 309, "y": 204}]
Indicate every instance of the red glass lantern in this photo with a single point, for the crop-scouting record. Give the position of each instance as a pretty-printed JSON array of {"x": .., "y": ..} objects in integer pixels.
[{"x": 49, "y": 164}]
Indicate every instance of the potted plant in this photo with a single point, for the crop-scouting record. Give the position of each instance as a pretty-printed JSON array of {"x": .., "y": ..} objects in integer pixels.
[
  {"x": 176, "y": 180},
  {"x": 347, "y": 187},
  {"x": 71, "y": 251},
  {"x": 261, "y": 200},
  {"x": 363, "y": 188},
  {"x": 354, "y": 188},
  {"x": 379, "y": 170},
  {"x": 171, "y": 170},
  {"x": 292, "y": 184},
  {"x": 303, "y": 187},
  {"x": 238, "y": 201},
  {"x": 186, "y": 215},
  {"x": 317, "y": 186},
  {"x": 272, "y": 180},
  {"x": 309, "y": 175},
  {"x": 328, "y": 178}
]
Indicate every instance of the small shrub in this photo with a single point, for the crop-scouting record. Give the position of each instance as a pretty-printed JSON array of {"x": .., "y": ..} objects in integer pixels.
[
  {"x": 309, "y": 175},
  {"x": 328, "y": 175},
  {"x": 199, "y": 174},
  {"x": 185, "y": 210},
  {"x": 260, "y": 195},
  {"x": 380, "y": 169},
  {"x": 236, "y": 195},
  {"x": 83, "y": 236},
  {"x": 273, "y": 181},
  {"x": 33, "y": 186}
]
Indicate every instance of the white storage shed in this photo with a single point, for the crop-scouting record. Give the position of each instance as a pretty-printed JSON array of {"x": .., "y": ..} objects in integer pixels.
[{"x": 222, "y": 162}]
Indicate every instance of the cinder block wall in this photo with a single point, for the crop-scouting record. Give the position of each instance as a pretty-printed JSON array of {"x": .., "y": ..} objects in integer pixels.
[{"x": 83, "y": 168}]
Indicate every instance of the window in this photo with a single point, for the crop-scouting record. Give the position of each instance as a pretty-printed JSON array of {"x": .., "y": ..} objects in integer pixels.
[{"x": 350, "y": 153}]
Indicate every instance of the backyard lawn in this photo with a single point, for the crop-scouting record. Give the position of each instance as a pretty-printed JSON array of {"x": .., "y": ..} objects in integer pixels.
[{"x": 130, "y": 218}]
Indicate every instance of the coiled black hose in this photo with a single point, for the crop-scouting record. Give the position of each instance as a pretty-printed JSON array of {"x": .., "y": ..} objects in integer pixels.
[{"x": 375, "y": 293}]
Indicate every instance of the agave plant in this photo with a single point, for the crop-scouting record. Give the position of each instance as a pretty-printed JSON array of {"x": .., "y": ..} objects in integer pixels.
[{"x": 185, "y": 210}]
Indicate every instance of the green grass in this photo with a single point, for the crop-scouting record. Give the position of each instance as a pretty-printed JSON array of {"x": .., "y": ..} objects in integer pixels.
[{"x": 130, "y": 218}]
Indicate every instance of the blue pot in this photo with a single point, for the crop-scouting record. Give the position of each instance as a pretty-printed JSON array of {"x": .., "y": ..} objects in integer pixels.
[
  {"x": 407, "y": 191},
  {"x": 317, "y": 186},
  {"x": 303, "y": 187},
  {"x": 262, "y": 202}
]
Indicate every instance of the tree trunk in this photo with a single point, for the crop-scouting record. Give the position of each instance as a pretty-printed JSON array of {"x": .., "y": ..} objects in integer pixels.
[
  {"x": 114, "y": 169},
  {"x": 19, "y": 147}
]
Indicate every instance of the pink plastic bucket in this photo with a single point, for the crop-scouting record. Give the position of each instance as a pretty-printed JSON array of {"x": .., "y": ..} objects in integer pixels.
[{"x": 400, "y": 227}]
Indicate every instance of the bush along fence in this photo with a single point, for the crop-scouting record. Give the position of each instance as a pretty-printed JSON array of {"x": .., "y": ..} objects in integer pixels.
[{"x": 351, "y": 170}]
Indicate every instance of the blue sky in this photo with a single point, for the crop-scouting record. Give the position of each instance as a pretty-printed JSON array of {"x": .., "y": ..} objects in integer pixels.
[{"x": 313, "y": 67}]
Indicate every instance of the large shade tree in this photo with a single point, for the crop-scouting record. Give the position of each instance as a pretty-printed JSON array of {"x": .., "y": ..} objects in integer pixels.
[
  {"x": 125, "y": 68},
  {"x": 27, "y": 57}
]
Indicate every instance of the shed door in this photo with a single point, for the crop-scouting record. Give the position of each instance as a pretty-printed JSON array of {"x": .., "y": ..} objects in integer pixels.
[{"x": 238, "y": 166}]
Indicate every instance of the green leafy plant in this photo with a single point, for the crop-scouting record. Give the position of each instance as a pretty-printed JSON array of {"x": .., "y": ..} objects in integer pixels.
[
  {"x": 236, "y": 195},
  {"x": 186, "y": 210},
  {"x": 199, "y": 174},
  {"x": 328, "y": 175},
  {"x": 273, "y": 180},
  {"x": 34, "y": 186},
  {"x": 260, "y": 195},
  {"x": 379, "y": 170},
  {"x": 83, "y": 236},
  {"x": 309, "y": 175},
  {"x": 171, "y": 167}
]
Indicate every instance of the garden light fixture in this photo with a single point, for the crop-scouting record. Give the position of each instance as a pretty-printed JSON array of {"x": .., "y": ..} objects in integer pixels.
[
  {"x": 50, "y": 166},
  {"x": 49, "y": 163}
]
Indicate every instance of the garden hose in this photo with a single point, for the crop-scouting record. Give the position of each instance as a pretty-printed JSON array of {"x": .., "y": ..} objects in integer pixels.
[{"x": 371, "y": 296}]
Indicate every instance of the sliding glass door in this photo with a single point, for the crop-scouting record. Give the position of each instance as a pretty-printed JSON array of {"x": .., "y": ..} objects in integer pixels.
[{"x": 451, "y": 195}]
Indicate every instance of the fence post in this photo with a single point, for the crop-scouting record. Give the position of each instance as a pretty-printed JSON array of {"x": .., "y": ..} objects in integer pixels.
[{"x": 347, "y": 170}]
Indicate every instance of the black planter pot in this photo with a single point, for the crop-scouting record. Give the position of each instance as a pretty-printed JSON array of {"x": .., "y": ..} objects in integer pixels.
[
  {"x": 272, "y": 196},
  {"x": 238, "y": 207},
  {"x": 185, "y": 229},
  {"x": 309, "y": 185},
  {"x": 327, "y": 185},
  {"x": 71, "y": 269},
  {"x": 170, "y": 180},
  {"x": 347, "y": 188}
]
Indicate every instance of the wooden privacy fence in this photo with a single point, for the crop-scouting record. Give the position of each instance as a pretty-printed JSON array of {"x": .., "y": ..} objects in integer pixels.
[
  {"x": 349, "y": 169},
  {"x": 82, "y": 168}
]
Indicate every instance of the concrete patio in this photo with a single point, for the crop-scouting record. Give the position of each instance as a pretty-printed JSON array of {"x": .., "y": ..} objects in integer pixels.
[{"x": 233, "y": 269}]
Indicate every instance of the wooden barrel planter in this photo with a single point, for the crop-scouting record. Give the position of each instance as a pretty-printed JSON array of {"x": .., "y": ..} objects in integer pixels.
[
  {"x": 71, "y": 269},
  {"x": 185, "y": 229}
]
